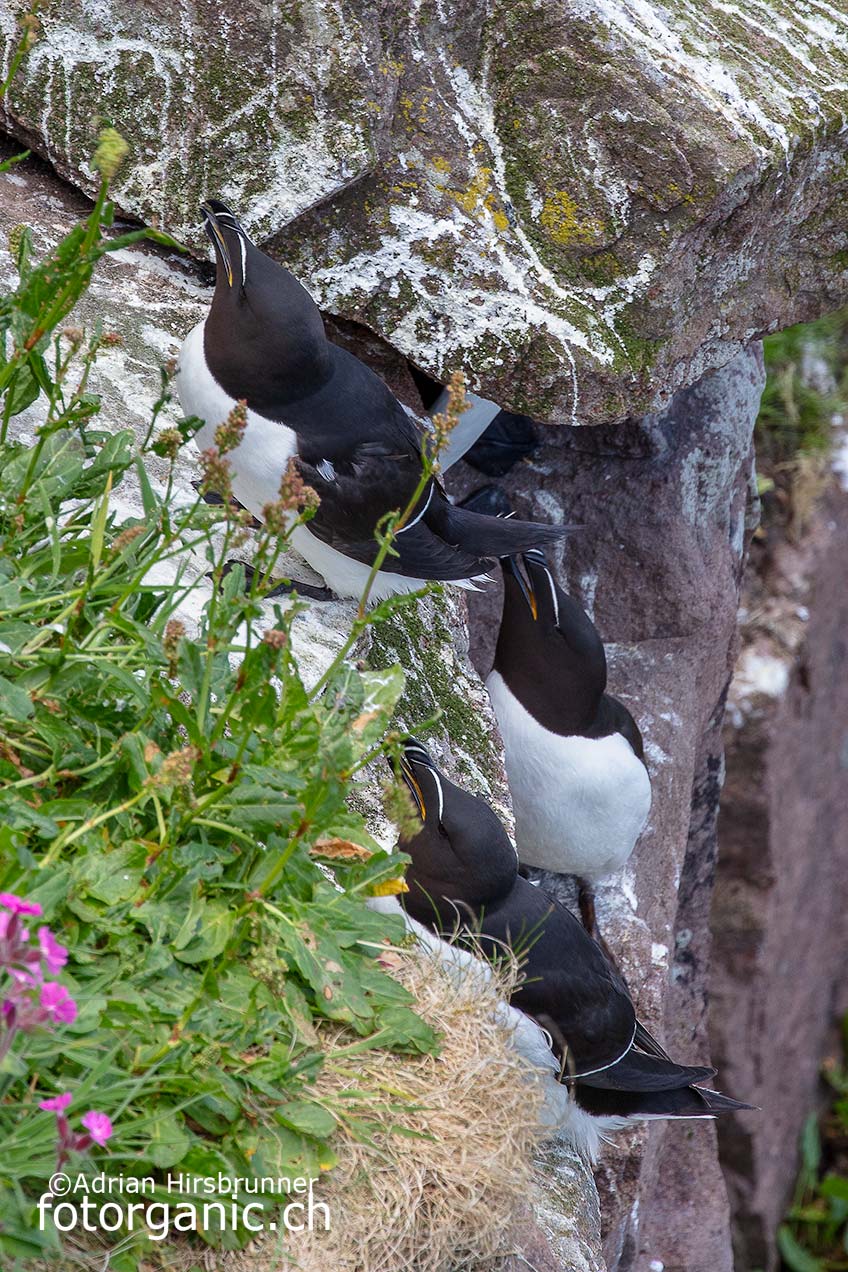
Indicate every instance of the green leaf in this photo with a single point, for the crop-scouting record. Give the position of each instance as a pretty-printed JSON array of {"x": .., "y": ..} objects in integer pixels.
[
  {"x": 167, "y": 1140},
  {"x": 149, "y": 500},
  {"x": 834, "y": 1186},
  {"x": 15, "y": 703},
  {"x": 811, "y": 1146},
  {"x": 308, "y": 1117},
  {"x": 406, "y": 1029},
  {"x": 214, "y": 927},
  {"x": 113, "y": 876},
  {"x": 794, "y": 1255}
]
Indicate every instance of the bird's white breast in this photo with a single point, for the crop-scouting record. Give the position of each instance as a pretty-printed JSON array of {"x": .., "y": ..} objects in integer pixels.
[
  {"x": 580, "y": 803},
  {"x": 259, "y": 462}
]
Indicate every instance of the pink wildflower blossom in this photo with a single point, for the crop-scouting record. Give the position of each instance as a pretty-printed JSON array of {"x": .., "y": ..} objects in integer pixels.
[
  {"x": 98, "y": 1126},
  {"x": 57, "y": 1003},
  {"x": 54, "y": 954},
  {"x": 56, "y": 1103},
  {"x": 18, "y": 905}
]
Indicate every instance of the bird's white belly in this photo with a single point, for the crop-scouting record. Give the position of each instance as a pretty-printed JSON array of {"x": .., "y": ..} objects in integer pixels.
[{"x": 580, "y": 803}]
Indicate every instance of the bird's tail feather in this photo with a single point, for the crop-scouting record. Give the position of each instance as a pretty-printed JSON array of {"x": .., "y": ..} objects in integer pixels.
[
  {"x": 495, "y": 536},
  {"x": 717, "y": 1102},
  {"x": 684, "y": 1102}
]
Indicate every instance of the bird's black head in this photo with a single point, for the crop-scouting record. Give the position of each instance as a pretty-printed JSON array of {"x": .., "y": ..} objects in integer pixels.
[
  {"x": 536, "y": 611},
  {"x": 548, "y": 651},
  {"x": 462, "y": 857},
  {"x": 264, "y": 338}
]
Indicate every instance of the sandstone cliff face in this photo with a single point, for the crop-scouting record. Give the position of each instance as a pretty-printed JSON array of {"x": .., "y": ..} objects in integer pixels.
[
  {"x": 586, "y": 204},
  {"x": 780, "y": 909}
]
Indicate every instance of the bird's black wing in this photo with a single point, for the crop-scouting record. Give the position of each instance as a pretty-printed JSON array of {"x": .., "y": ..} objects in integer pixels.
[
  {"x": 640, "y": 1072},
  {"x": 373, "y": 447},
  {"x": 357, "y": 496},
  {"x": 685, "y": 1101},
  {"x": 647, "y": 1042},
  {"x": 568, "y": 987}
]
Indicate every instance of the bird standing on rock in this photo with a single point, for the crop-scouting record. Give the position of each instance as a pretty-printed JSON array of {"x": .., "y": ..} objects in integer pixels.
[
  {"x": 574, "y": 757},
  {"x": 464, "y": 879},
  {"x": 263, "y": 341}
]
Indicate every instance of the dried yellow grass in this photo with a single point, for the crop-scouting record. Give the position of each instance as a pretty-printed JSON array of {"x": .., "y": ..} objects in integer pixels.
[{"x": 449, "y": 1198}]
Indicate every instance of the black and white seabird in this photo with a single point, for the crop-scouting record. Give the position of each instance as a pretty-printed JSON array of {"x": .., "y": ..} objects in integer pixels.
[
  {"x": 263, "y": 341},
  {"x": 576, "y": 1015},
  {"x": 574, "y": 756}
]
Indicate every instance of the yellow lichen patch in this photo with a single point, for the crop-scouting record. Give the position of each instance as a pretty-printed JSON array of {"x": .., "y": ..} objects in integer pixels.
[
  {"x": 559, "y": 216},
  {"x": 480, "y": 198},
  {"x": 440, "y": 163}
]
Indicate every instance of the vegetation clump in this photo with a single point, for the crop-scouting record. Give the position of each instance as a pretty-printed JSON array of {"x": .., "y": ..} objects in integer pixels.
[
  {"x": 806, "y": 393},
  {"x": 814, "y": 1235}
]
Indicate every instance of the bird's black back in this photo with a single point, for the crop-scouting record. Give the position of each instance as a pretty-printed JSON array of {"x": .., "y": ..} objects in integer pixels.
[
  {"x": 567, "y": 981},
  {"x": 264, "y": 341},
  {"x": 464, "y": 876}
]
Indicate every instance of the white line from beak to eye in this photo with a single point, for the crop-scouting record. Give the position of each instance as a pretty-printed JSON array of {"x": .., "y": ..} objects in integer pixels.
[
  {"x": 553, "y": 594},
  {"x": 441, "y": 793},
  {"x": 243, "y": 240},
  {"x": 427, "y": 763}
]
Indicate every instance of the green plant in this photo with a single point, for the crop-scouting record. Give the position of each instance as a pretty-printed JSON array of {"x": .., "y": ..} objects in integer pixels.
[
  {"x": 795, "y": 416},
  {"x": 167, "y": 797},
  {"x": 814, "y": 1235}
]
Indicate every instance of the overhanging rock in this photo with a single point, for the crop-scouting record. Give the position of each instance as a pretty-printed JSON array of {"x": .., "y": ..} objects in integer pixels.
[{"x": 629, "y": 192}]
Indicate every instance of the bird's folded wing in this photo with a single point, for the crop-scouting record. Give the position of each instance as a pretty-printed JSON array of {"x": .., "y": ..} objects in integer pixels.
[
  {"x": 639, "y": 1072},
  {"x": 357, "y": 497}
]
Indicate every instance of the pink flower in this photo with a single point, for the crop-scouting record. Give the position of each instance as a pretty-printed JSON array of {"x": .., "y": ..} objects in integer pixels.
[
  {"x": 98, "y": 1126},
  {"x": 54, "y": 954},
  {"x": 56, "y": 1103},
  {"x": 17, "y": 904},
  {"x": 57, "y": 1002}
]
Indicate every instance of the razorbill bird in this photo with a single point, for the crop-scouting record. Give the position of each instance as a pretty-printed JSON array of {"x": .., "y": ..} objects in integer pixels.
[
  {"x": 263, "y": 341},
  {"x": 574, "y": 757},
  {"x": 464, "y": 881}
]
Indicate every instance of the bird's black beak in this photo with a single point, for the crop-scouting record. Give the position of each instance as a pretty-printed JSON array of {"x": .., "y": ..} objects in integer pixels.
[
  {"x": 510, "y": 566},
  {"x": 213, "y": 213}
]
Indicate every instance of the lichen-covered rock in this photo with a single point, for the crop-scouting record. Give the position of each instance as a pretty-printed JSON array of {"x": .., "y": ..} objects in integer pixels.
[
  {"x": 628, "y": 191},
  {"x": 276, "y": 106},
  {"x": 663, "y": 502}
]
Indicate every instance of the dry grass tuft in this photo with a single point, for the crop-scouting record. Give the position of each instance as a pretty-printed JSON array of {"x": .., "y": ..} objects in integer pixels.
[{"x": 449, "y": 1170}]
